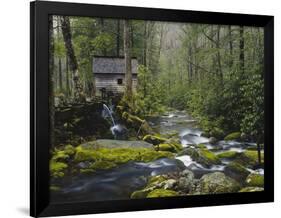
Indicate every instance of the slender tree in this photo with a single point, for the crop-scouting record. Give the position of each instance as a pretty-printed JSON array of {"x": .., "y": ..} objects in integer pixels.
[
  {"x": 66, "y": 32},
  {"x": 118, "y": 38},
  {"x": 144, "y": 43},
  {"x": 128, "y": 63},
  {"x": 241, "y": 47},
  {"x": 230, "y": 47},
  {"x": 67, "y": 77}
]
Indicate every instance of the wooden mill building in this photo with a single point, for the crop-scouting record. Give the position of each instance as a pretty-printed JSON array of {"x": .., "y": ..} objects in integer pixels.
[{"x": 109, "y": 74}]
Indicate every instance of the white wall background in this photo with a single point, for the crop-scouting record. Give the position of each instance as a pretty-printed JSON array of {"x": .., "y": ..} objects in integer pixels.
[{"x": 14, "y": 107}]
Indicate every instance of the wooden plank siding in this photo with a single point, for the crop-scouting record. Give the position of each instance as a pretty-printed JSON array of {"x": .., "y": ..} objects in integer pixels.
[{"x": 110, "y": 83}]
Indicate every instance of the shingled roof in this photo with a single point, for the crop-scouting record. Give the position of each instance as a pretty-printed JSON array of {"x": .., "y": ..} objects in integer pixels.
[{"x": 112, "y": 65}]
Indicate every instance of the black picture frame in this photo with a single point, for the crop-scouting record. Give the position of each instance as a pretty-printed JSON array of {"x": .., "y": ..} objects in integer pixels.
[{"x": 39, "y": 119}]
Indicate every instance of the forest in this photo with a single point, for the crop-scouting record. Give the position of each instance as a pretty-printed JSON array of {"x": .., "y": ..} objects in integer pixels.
[{"x": 197, "y": 108}]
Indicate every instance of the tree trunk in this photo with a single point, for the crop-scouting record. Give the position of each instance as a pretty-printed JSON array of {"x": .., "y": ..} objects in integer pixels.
[
  {"x": 145, "y": 43},
  {"x": 190, "y": 67},
  {"x": 60, "y": 76},
  {"x": 132, "y": 35},
  {"x": 67, "y": 77},
  {"x": 118, "y": 38},
  {"x": 219, "y": 55},
  {"x": 128, "y": 63},
  {"x": 59, "y": 59},
  {"x": 102, "y": 31},
  {"x": 230, "y": 48},
  {"x": 241, "y": 47},
  {"x": 51, "y": 81},
  {"x": 66, "y": 32}
]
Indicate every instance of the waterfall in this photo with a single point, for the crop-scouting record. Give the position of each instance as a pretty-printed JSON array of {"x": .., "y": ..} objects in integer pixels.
[{"x": 109, "y": 112}]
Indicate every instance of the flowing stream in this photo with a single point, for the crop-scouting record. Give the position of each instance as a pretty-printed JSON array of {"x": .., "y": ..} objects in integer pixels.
[
  {"x": 179, "y": 123},
  {"x": 120, "y": 182}
]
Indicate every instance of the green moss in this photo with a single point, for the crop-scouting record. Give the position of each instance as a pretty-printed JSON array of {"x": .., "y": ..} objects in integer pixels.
[
  {"x": 227, "y": 154},
  {"x": 255, "y": 180},
  {"x": 157, "y": 193},
  {"x": 131, "y": 118},
  {"x": 253, "y": 155},
  {"x": 251, "y": 189},
  {"x": 57, "y": 168},
  {"x": 202, "y": 156},
  {"x": 87, "y": 171},
  {"x": 149, "y": 155},
  {"x": 54, "y": 188},
  {"x": 139, "y": 194},
  {"x": 119, "y": 155},
  {"x": 249, "y": 158},
  {"x": 169, "y": 147},
  {"x": 154, "y": 180},
  {"x": 154, "y": 139},
  {"x": 233, "y": 136},
  {"x": 238, "y": 168},
  {"x": 102, "y": 165},
  {"x": 69, "y": 150},
  {"x": 63, "y": 154},
  {"x": 236, "y": 171},
  {"x": 60, "y": 156},
  {"x": 209, "y": 156},
  {"x": 83, "y": 154},
  {"x": 201, "y": 146}
]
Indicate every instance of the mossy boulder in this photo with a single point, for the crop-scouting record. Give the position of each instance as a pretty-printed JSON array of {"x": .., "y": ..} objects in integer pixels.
[
  {"x": 213, "y": 140},
  {"x": 233, "y": 136},
  {"x": 118, "y": 155},
  {"x": 169, "y": 147},
  {"x": 57, "y": 169},
  {"x": 249, "y": 158},
  {"x": 217, "y": 182},
  {"x": 227, "y": 155},
  {"x": 251, "y": 189},
  {"x": 255, "y": 179},
  {"x": 158, "y": 193},
  {"x": 63, "y": 154},
  {"x": 154, "y": 139},
  {"x": 155, "y": 180},
  {"x": 139, "y": 194},
  {"x": 207, "y": 157},
  {"x": 186, "y": 181},
  {"x": 202, "y": 156},
  {"x": 155, "y": 183},
  {"x": 236, "y": 171}
]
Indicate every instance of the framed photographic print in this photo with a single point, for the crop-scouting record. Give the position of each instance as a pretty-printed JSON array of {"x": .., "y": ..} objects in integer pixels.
[{"x": 141, "y": 109}]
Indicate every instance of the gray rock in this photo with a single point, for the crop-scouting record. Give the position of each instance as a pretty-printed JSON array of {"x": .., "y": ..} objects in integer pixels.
[
  {"x": 169, "y": 184},
  {"x": 213, "y": 140},
  {"x": 186, "y": 180},
  {"x": 217, "y": 183}
]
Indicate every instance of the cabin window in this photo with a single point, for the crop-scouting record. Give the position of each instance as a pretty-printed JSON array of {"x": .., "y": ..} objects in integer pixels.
[{"x": 119, "y": 81}]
